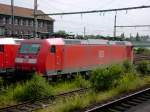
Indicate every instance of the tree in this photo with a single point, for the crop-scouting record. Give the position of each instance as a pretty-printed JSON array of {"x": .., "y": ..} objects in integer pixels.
[
  {"x": 61, "y": 33},
  {"x": 137, "y": 37},
  {"x": 122, "y": 36}
]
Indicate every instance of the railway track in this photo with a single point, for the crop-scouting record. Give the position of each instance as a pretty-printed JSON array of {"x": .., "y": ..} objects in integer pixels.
[
  {"x": 140, "y": 57},
  {"x": 29, "y": 106},
  {"x": 123, "y": 104}
]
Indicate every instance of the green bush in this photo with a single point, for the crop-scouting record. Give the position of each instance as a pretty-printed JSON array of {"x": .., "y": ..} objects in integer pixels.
[
  {"x": 128, "y": 66},
  {"x": 34, "y": 89},
  {"x": 104, "y": 78},
  {"x": 80, "y": 82},
  {"x": 142, "y": 51},
  {"x": 1, "y": 83},
  {"x": 143, "y": 67},
  {"x": 129, "y": 82}
]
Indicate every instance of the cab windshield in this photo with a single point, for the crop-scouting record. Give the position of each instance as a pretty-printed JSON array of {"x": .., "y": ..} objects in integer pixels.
[{"x": 29, "y": 48}]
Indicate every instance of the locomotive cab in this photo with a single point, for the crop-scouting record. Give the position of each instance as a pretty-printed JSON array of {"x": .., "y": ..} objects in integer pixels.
[
  {"x": 27, "y": 56},
  {"x": 43, "y": 56},
  {"x": 8, "y": 50}
]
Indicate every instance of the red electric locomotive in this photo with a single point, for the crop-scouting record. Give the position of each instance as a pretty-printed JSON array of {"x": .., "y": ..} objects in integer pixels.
[
  {"x": 8, "y": 50},
  {"x": 57, "y": 56}
]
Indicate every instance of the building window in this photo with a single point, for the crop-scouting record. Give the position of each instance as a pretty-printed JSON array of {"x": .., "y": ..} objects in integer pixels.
[
  {"x": 6, "y": 32},
  {"x": 21, "y": 22},
  {"x": 9, "y": 32},
  {"x": 45, "y": 24},
  {"x": 38, "y": 23},
  {"x": 16, "y": 32},
  {"x": 9, "y": 20},
  {"x": 31, "y": 23},
  {"x": 1, "y": 19},
  {"x": 27, "y": 22},
  {"x": 24, "y": 22},
  {"x": 29, "y": 32},
  {"x": 2, "y": 30},
  {"x": 4, "y": 20},
  {"x": 42, "y": 24},
  {"x": 16, "y": 21}
]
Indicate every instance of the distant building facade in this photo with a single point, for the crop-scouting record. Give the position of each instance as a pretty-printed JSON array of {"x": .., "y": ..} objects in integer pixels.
[{"x": 23, "y": 21}]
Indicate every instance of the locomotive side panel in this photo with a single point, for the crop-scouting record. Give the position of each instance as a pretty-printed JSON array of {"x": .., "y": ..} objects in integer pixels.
[
  {"x": 75, "y": 58},
  {"x": 85, "y": 57},
  {"x": 7, "y": 57},
  {"x": 1, "y": 57},
  {"x": 129, "y": 50},
  {"x": 118, "y": 53},
  {"x": 10, "y": 55},
  {"x": 54, "y": 60}
]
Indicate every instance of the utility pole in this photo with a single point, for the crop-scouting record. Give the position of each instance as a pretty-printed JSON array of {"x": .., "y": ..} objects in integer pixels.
[
  {"x": 84, "y": 31},
  {"x": 12, "y": 18},
  {"x": 35, "y": 19},
  {"x": 115, "y": 22}
]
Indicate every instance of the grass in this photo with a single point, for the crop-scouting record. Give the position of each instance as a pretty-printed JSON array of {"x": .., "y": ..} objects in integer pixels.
[
  {"x": 38, "y": 87},
  {"x": 79, "y": 102},
  {"x": 65, "y": 86},
  {"x": 110, "y": 82},
  {"x": 129, "y": 81}
]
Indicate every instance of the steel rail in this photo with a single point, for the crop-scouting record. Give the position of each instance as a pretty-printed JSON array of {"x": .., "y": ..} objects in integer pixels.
[
  {"x": 29, "y": 106},
  {"x": 124, "y": 103},
  {"x": 140, "y": 57}
]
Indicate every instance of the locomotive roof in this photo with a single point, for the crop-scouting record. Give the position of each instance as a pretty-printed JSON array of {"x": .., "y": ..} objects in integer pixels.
[
  {"x": 61, "y": 41},
  {"x": 9, "y": 41}
]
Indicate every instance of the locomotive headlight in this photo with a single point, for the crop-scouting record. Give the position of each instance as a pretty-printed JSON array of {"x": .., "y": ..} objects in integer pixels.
[
  {"x": 19, "y": 60},
  {"x": 32, "y": 61}
]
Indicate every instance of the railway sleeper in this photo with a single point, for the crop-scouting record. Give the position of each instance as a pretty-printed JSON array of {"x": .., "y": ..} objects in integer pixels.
[
  {"x": 32, "y": 106},
  {"x": 119, "y": 108},
  {"x": 125, "y": 105},
  {"x": 137, "y": 100},
  {"x": 111, "y": 110},
  {"x": 142, "y": 98},
  {"x": 132, "y": 103},
  {"x": 146, "y": 96},
  {"x": 11, "y": 110},
  {"x": 24, "y": 108}
]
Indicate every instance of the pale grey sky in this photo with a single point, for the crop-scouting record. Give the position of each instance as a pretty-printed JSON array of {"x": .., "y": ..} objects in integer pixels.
[{"x": 95, "y": 23}]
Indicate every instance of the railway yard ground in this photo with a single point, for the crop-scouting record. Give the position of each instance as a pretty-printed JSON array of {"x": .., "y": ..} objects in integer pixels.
[
  {"x": 78, "y": 95},
  {"x": 144, "y": 107}
]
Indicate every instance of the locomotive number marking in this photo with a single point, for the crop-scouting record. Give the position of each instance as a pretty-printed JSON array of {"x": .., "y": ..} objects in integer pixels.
[{"x": 101, "y": 54}]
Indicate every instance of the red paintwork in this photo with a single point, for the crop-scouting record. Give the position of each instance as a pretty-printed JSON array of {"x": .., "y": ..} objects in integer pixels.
[
  {"x": 73, "y": 56},
  {"x": 7, "y": 57}
]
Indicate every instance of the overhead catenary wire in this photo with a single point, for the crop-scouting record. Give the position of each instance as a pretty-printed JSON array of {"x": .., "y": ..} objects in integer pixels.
[
  {"x": 96, "y": 11},
  {"x": 121, "y": 26}
]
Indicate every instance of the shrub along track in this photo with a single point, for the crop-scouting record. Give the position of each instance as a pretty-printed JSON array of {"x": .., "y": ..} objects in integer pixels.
[
  {"x": 31, "y": 105},
  {"x": 122, "y": 104}
]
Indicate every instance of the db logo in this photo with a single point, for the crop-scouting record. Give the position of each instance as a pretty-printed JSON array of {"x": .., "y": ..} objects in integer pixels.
[{"x": 101, "y": 54}]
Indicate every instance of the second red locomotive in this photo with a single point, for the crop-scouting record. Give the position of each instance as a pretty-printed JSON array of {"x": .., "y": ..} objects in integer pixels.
[
  {"x": 57, "y": 56},
  {"x": 8, "y": 50}
]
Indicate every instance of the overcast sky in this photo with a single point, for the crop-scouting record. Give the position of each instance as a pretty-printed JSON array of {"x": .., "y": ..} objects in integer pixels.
[{"x": 97, "y": 23}]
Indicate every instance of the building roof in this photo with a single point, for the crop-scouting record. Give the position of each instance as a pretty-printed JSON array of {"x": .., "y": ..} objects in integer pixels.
[{"x": 21, "y": 11}]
